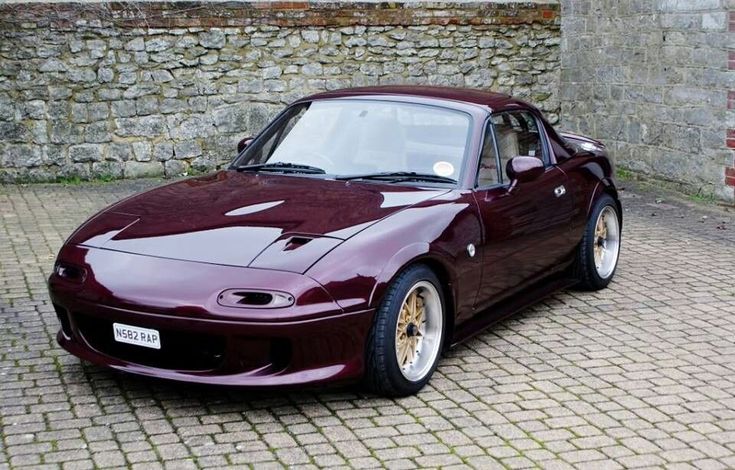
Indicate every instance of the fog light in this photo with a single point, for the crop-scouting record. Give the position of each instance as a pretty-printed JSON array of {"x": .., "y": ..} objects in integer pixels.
[{"x": 246, "y": 298}]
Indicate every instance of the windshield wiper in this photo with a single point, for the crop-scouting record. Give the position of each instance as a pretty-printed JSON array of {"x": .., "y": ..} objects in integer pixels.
[
  {"x": 396, "y": 176},
  {"x": 282, "y": 166}
]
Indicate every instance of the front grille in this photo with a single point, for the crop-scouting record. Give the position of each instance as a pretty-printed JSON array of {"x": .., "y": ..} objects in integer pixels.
[{"x": 180, "y": 350}]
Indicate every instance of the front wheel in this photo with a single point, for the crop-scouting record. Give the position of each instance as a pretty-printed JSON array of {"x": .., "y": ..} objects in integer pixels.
[
  {"x": 407, "y": 335},
  {"x": 597, "y": 255}
]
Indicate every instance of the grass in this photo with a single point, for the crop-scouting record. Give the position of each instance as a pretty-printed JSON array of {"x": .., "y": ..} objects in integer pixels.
[
  {"x": 683, "y": 191},
  {"x": 76, "y": 180},
  {"x": 69, "y": 180},
  {"x": 706, "y": 198},
  {"x": 72, "y": 180},
  {"x": 624, "y": 174}
]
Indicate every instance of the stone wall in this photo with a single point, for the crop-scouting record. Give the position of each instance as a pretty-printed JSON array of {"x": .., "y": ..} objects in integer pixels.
[
  {"x": 651, "y": 79},
  {"x": 141, "y": 89}
]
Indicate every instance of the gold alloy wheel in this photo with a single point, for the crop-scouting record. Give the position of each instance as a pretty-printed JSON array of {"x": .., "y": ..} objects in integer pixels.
[
  {"x": 606, "y": 242},
  {"x": 600, "y": 237},
  {"x": 418, "y": 331},
  {"x": 410, "y": 324}
]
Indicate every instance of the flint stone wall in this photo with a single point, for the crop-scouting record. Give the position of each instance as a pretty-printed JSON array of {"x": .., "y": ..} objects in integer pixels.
[
  {"x": 654, "y": 80},
  {"x": 147, "y": 89}
]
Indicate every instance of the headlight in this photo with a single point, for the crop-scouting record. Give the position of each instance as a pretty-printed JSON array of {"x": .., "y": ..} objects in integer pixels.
[
  {"x": 248, "y": 298},
  {"x": 70, "y": 272}
]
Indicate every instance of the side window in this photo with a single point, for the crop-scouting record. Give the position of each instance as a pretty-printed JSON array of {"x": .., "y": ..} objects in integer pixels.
[
  {"x": 488, "y": 172},
  {"x": 518, "y": 134},
  {"x": 263, "y": 152}
]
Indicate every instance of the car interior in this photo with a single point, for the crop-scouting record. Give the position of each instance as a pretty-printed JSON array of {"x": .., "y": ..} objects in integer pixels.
[
  {"x": 370, "y": 137},
  {"x": 487, "y": 174},
  {"x": 373, "y": 137},
  {"x": 517, "y": 135},
  {"x": 383, "y": 140}
]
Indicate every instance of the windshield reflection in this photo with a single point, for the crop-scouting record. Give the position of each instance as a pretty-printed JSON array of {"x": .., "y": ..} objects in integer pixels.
[{"x": 352, "y": 136}]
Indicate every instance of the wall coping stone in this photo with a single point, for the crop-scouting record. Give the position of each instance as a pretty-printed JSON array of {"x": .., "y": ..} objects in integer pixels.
[{"x": 192, "y": 14}]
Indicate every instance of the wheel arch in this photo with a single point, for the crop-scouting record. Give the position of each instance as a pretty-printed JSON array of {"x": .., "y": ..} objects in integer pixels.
[
  {"x": 447, "y": 287},
  {"x": 606, "y": 186},
  {"x": 438, "y": 262}
]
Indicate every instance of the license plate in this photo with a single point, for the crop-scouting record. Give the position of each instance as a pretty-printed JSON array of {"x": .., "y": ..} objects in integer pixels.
[{"x": 136, "y": 335}]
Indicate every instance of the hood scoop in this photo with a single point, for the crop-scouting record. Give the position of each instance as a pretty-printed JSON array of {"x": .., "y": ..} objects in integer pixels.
[
  {"x": 296, "y": 242},
  {"x": 295, "y": 253}
]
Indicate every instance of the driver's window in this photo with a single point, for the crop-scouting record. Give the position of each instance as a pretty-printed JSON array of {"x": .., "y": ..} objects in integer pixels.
[
  {"x": 517, "y": 134},
  {"x": 487, "y": 172}
]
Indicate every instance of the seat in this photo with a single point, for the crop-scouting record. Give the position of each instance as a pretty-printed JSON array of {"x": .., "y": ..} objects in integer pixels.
[
  {"x": 381, "y": 145},
  {"x": 507, "y": 142},
  {"x": 488, "y": 173}
]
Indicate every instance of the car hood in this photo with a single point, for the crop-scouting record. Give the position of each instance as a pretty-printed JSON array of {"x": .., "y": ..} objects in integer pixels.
[{"x": 258, "y": 220}]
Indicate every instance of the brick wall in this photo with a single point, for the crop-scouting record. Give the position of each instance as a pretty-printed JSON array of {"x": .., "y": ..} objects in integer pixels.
[
  {"x": 653, "y": 80},
  {"x": 151, "y": 88}
]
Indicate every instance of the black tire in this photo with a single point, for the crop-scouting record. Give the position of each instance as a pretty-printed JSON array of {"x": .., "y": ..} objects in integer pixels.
[
  {"x": 585, "y": 270},
  {"x": 383, "y": 375}
]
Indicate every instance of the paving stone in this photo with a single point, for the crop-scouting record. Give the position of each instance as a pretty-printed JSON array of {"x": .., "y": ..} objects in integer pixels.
[{"x": 637, "y": 375}]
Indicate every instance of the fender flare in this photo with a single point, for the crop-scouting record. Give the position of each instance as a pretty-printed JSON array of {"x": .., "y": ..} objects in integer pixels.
[
  {"x": 407, "y": 255},
  {"x": 605, "y": 185}
]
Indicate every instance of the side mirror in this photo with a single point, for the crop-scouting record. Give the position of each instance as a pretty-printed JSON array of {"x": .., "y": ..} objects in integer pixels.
[
  {"x": 243, "y": 144},
  {"x": 523, "y": 169}
]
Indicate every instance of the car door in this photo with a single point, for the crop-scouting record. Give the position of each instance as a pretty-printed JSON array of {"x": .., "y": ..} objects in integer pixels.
[{"x": 525, "y": 225}]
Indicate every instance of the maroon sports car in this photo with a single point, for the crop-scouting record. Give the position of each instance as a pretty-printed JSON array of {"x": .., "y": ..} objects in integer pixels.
[{"x": 357, "y": 236}]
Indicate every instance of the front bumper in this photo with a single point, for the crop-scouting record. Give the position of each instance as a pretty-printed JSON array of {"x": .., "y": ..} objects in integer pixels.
[
  {"x": 204, "y": 343},
  {"x": 226, "y": 353}
]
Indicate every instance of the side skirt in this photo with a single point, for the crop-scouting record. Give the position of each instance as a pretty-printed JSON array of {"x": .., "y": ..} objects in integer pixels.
[{"x": 509, "y": 307}]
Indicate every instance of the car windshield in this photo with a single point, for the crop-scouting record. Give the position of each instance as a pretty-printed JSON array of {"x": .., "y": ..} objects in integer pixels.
[{"x": 354, "y": 138}]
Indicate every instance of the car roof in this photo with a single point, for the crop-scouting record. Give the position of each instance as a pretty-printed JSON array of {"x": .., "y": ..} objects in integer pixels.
[{"x": 495, "y": 101}]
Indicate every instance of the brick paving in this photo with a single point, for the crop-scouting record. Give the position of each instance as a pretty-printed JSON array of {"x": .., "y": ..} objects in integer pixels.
[{"x": 639, "y": 375}]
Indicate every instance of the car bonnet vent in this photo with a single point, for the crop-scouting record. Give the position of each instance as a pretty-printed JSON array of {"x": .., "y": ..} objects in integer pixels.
[{"x": 296, "y": 242}]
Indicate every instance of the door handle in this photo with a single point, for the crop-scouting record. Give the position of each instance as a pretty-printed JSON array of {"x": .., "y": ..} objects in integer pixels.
[{"x": 559, "y": 191}]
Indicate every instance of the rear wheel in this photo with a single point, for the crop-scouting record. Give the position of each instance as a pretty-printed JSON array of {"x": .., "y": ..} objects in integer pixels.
[
  {"x": 407, "y": 335},
  {"x": 597, "y": 255}
]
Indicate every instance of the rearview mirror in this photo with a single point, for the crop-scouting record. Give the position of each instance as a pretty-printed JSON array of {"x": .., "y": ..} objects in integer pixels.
[
  {"x": 523, "y": 169},
  {"x": 243, "y": 144}
]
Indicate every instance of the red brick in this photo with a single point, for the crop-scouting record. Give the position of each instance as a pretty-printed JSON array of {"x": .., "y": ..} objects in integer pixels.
[
  {"x": 731, "y": 100},
  {"x": 290, "y": 5},
  {"x": 286, "y": 14},
  {"x": 732, "y": 21}
]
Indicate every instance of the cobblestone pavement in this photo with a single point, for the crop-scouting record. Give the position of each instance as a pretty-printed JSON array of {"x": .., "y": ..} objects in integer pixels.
[{"x": 641, "y": 374}]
